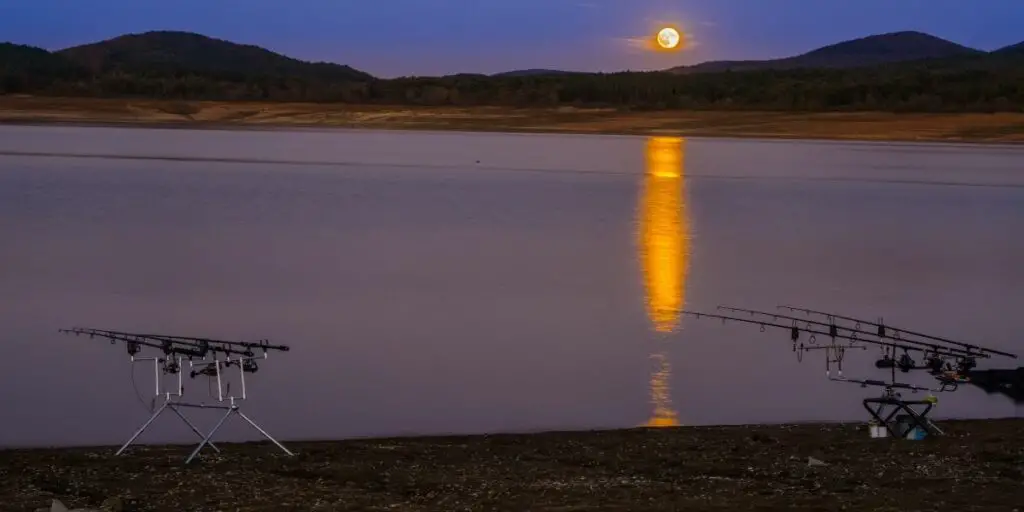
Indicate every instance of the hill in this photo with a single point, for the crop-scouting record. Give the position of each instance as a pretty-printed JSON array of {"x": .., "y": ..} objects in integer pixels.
[
  {"x": 533, "y": 72},
  {"x": 905, "y": 71},
  {"x": 1013, "y": 49},
  {"x": 168, "y": 52},
  {"x": 867, "y": 51},
  {"x": 17, "y": 58},
  {"x": 26, "y": 68}
]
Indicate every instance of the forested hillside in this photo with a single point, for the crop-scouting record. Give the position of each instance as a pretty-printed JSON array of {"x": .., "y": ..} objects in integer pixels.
[{"x": 895, "y": 72}]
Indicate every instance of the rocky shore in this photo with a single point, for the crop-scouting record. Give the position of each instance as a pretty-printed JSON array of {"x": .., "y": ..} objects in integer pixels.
[{"x": 977, "y": 465}]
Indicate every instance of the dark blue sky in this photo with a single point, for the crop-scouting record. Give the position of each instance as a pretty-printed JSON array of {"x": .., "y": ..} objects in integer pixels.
[{"x": 408, "y": 37}]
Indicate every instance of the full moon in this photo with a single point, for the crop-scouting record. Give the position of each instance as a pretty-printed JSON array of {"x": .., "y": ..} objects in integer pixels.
[{"x": 668, "y": 38}]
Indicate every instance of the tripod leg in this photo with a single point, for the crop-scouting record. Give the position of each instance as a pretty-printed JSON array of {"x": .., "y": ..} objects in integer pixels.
[
  {"x": 877, "y": 415},
  {"x": 207, "y": 438},
  {"x": 921, "y": 420},
  {"x": 142, "y": 428},
  {"x": 929, "y": 423},
  {"x": 888, "y": 421},
  {"x": 193, "y": 427},
  {"x": 264, "y": 432}
]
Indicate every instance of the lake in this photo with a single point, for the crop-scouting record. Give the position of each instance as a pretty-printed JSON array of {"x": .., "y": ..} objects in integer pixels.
[{"x": 462, "y": 283}]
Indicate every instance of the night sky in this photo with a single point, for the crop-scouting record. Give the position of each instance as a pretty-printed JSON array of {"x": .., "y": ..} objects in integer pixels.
[{"x": 430, "y": 37}]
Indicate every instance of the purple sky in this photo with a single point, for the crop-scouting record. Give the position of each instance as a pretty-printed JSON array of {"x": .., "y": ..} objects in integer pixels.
[{"x": 429, "y": 37}]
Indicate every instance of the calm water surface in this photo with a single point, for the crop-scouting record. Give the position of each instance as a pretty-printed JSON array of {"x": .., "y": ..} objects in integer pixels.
[{"x": 443, "y": 282}]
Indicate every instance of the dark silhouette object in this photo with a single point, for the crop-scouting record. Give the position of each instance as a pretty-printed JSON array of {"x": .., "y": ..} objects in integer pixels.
[{"x": 1009, "y": 383}]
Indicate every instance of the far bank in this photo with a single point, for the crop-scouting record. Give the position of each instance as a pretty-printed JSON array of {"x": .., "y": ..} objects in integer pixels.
[{"x": 860, "y": 126}]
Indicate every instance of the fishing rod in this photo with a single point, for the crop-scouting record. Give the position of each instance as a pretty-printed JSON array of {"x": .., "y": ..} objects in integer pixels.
[
  {"x": 835, "y": 353},
  {"x": 795, "y": 331},
  {"x": 935, "y": 358},
  {"x": 134, "y": 343},
  {"x": 198, "y": 347},
  {"x": 247, "y": 361},
  {"x": 226, "y": 350},
  {"x": 888, "y": 409},
  {"x": 883, "y": 331},
  {"x": 833, "y": 328},
  {"x": 261, "y": 344}
]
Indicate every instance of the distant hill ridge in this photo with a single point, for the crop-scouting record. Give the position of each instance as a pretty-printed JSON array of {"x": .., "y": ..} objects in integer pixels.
[
  {"x": 185, "y": 52},
  {"x": 17, "y": 56},
  {"x": 892, "y": 72},
  {"x": 534, "y": 72},
  {"x": 1012, "y": 49},
  {"x": 862, "y": 52},
  {"x": 171, "y": 51}
]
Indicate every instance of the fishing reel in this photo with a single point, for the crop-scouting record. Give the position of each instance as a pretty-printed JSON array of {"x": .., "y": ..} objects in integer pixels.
[
  {"x": 903, "y": 363},
  {"x": 171, "y": 367},
  {"x": 936, "y": 365},
  {"x": 208, "y": 370},
  {"x": 794, "y": 336},
  {"x": 966, "y": 364},
  {"x": 249, "y": 366},
  {"x": 199, "y": 349}
]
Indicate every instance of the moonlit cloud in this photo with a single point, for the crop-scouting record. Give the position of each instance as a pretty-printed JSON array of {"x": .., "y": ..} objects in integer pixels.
[
  {"x": 638, "y": 43},
  {"x": 644, "y": 42}
]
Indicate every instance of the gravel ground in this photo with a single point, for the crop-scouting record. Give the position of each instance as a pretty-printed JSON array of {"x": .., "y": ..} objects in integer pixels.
[{"x": 978, "y": 465}]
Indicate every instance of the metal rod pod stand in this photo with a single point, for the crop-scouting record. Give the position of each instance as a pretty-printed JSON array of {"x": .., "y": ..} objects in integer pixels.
[
  {"x": 175, "y": 351},
  {"x": 917, "y": 419},
  {"x": 173, "y": 405}
]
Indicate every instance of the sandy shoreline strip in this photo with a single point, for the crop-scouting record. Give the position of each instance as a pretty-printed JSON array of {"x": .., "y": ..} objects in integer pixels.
[{"x": 1001, "y": 128}]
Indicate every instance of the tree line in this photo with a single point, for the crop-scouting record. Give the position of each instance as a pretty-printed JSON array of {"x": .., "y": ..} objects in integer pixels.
[{"x": 961, "y": 86}]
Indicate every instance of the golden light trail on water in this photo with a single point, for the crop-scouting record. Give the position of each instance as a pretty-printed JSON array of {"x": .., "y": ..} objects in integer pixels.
[{"x": 664, "y": 256}]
